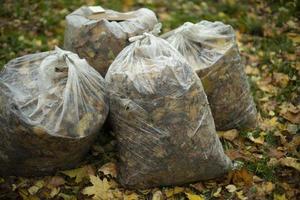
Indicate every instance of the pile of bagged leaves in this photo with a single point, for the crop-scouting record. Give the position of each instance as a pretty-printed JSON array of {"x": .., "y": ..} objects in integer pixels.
[{"x": 166, "y": 95}]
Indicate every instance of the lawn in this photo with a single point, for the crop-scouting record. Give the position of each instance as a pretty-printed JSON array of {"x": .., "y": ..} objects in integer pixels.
[{"x": 266, "y": 160}]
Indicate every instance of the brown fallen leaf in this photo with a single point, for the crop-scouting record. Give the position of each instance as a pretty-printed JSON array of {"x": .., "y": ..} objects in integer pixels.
[
  {"x": 55, "y": 181},
  {"x": 234, "y": 154},
  {"x": 290, "y": 112},
  {"x": 109, "y": 169},
  {"x": 242, "y": 177},
  {"x": 251, "y": 70},
  {"x": 281, "y": 79},
  {"x": 275, "y": 153},
  {"x": 198, "y": 186},
  {"x": 266, "y": 86},
  {"x": 265, "y": 188}
]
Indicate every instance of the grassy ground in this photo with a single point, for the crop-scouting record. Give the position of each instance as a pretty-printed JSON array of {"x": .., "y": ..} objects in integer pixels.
[{"x": 267, "y": 159}]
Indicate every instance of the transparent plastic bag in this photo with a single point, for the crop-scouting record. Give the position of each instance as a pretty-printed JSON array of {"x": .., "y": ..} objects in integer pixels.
[
  {"x": 52, "y": 106},
  {"x": 161, "y": 117},
  {"x": 99, "y": 35},
  {"x": 211, "y": 49}
]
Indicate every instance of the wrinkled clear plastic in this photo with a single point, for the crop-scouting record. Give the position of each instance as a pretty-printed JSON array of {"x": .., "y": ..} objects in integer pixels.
[
  {"x": 99, "y": 37},
  {"x": 161, "y": 118},
  {"x": 53, "y": 105},
  {"x": 211, "y": 49}
]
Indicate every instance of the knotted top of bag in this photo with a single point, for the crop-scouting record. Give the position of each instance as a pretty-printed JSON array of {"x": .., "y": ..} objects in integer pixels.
[
  {"x": 155, "y": 31},
  {"x": 128, "y": 22},
  {"x": 216, "y": 35},
  {"x": 203, "y": 43}
]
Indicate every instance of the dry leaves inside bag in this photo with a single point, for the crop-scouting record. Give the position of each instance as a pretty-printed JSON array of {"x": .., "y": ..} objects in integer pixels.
[
  {"x": 100, "y": 36},
  {"x": 53, "y": 105},
  {"x": 161, "y": 118},
  {"x": 211, "y": 49}
]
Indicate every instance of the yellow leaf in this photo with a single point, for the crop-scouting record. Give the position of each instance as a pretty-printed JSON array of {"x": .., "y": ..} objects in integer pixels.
[
  {"x": 80, "y": 173},
  {"x": 172, "y": 191},
  {"x": 294, "y": 37},
  {"x": 290, "y": 162},
  {"x": 279, "y": 197},
  {"x": 132, "y": 196},
  {"x": 241, "y": 196},
  {"x": 258, "y": 140},
  {"x": 36, "y": 187},
  {"x": 217, "y": 193},
  {"x": 157, "y": 195},
  {"x": 231, "y": 188},
  {"x": 268, "y": 187},
  {"x": 281, "y": 79},
  {"x": 54, "y": 192},
  {"x": 251, "y": 70},
  {"x": 191, "y": 196},
  {"x": 229, "y": 135},
  {"x": 100, "y": 190}
]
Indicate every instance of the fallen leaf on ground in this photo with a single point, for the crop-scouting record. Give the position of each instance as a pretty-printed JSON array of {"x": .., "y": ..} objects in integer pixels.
[
  {"x": 259, "y": 140},
  {"x": 132, "y": 196},
  {"x": 55, "y": 181},
  {"x": 240, "y": 195},
  {"x": 100, "y": 190},
  {"x": 231, "y": 188},
  {"x": 191, "y": 196},
  {"x": 217, "y": 193},
  {"x": 251, "y": 70},
  {"x": 242, "y": 176},
  {"x": 109, "y": 169},
  {"x": 279, "y": 197},
  {"x": 290, "y": 112},
  {"x": 290, "y": 162},
  {"x": 157, "y": 195},
  {"x": 281, "y": 79},
  {"x": 275, "y": 153},
  {"x": 228, "y": 135},
  {"x": 198, "y": 186},
  {"x": 80, "y": 173},
  {"x": 265, "y": 188},
  {"x": 36, "y": 187},
  {"x": 173, "y": 191},
  {"x": 294, "y": 37}
]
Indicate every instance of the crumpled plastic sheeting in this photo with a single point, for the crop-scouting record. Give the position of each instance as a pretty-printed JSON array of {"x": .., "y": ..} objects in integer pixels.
[
  {"x": 211, "y": 49},
  {"x": 161, "y": 118},
  {"x": 99, "y": 37},
  {"x": 52, "y": 106}
]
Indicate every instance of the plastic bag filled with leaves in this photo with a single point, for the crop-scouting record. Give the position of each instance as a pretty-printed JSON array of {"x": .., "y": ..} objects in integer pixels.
[
  {"x": 161, "y": 118},
  {"x": 98, "y": 35},
  {"x": 211, "y": 49},
  {"x": 52, "y": 105}
]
